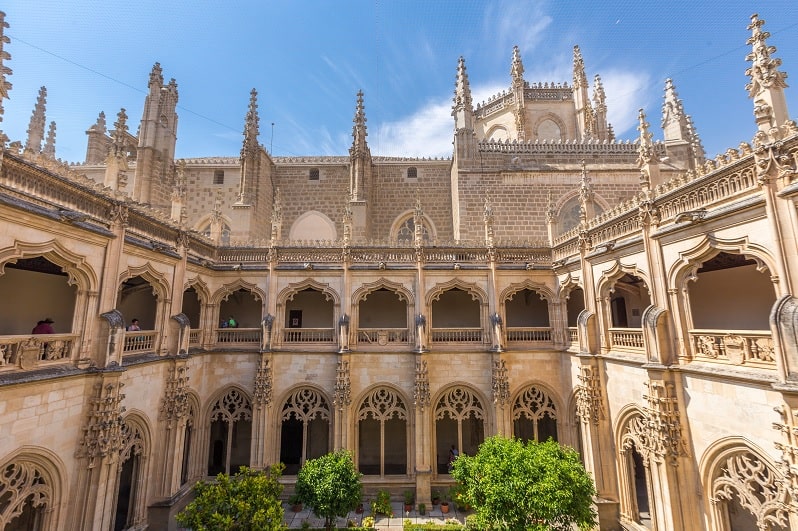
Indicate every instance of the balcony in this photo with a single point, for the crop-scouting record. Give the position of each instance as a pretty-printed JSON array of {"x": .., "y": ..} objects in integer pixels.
[
  {"x": 457, "y": 335},
  {"x": 31, "y": 352},
  {"x": 308, "y": 335},
  {"x": 627, "y": 339},
  {"x": 746, "y": 348},
  {"x": 138, "y": 342},
  {"x": 195, "y": 337},
  {"x": 383, "y": 336},
  {"x": 529, "y": 334},
  {"x": 238, "y": 337},
  {"x": 573, "y": 335}
]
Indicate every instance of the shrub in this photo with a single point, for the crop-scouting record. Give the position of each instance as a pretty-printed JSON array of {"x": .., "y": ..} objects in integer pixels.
[
  {"x": 382, "y": 503},
  {"x": 330, "y": 485}
]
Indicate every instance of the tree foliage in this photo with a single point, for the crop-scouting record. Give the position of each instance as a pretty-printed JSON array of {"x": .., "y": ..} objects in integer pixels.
[
  {"x": 533, "y": 486},
  {"x": 330, "y": 486},
  {"x": 246, "y": 501}
]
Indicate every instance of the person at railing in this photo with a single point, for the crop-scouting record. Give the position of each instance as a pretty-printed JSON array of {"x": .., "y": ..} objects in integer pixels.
[
  {"x": 44, "y": 327},
  {"x": 134, "y": 326},
  {"x": 231, "y": 322}
]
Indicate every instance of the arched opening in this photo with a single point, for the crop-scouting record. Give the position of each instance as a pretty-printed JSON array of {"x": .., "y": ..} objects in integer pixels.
[
  {"x": 382, "y": 434},
  {"x": 549, "y": 130},
  {"x": 730, "y": 294},
  {"x": 137, "y": 300},
  {"x": 309, "y": 317},
  {"x": 456, "y": 317},
  {"x": 629, "y": 297},
  {"x": 230, "y": 433},
  {"x": 40, "y": 290},
  {"x": 459, "y": 422},
  {"x": 382, "y": 318},
  {"x": 406, "y": 231},
  {"x": 192, "y": 307},
  {"x": 527, "y": 314},
  {"x": 534, "y": 416},
  {"x": 26, "y": 497},
  {"x": 188, "y": 436},
  {"x": 639, "y": 474},
  {"x": 634, "y": 475},
  {"x": 313, "y": 226},
  {"x": 305, "y": 429},
  {"x": 244, "y": 307},
  {"x": 574, "y": 305},
  {"x": 130, "y": 478}
]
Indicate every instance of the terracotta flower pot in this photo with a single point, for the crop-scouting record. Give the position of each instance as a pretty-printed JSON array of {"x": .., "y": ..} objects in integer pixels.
[{"x": 444, "y": 507}]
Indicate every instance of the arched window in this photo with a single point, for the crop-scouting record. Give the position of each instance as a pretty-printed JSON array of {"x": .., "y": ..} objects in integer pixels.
[
  {"x": 459, "y": 422},
  {"x": 130, "y": 482},
  {"x": 534, "y": 416},
  {"x": 225, "y": 236},
  {"x": 635, "y": 479},
  {"x": 188, "y": 434},
  {"x": 230, "y": 433},
  {"x": 382, "y": 431},
  {"x": 26, "y": 494},
  {"x": 407, "y": 232},
  {"x": 305, "y": 431}
]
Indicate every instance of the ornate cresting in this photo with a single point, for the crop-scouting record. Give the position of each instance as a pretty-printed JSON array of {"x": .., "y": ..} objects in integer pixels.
[
  {"x": 175, "y": 401},
  {"x": 102, "y": 435},
  {"x": 500, "y": 385},
  {"x": 663, "y": 422},
  {"x": 421, "y": 395},
  {"x": 262, "y": 393},
  {"x": 589, "y": 407},
  {"x": 342, "y": 396}
]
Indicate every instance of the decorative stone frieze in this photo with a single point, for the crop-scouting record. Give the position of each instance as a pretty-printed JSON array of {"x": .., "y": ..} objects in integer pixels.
[
  {"x": 342, "y": 396},
  {"x": 421, "y": 396},
  {"x": 262, "y": 393},
  {"x": 589, "y": 406},
  {"x": 175, "y": 400},
  {"x": 102, "y": 435},
  {"x": 500, "y": 386},
  {"x": 663, "y": 422}
]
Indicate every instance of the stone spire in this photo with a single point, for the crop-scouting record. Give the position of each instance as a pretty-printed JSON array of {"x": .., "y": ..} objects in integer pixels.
[
  {"x": 463, "y": 112},
  {"x": 118, "y": 147},
  {"x": 647, "y": 158},
  {"x": 5, "y": 85},
  {"x": 517, "y": 73},
  {"x": 600, "y": 109},
  {"x": 359, "y": 130},
  {"x": 251, "y": 126},
  {"x": 116, "y": 166},
  {"x": 49, "y": 145},
  {"x": 584, "y": 112},
  {"x": 36, "y": 126},
  {"x": 97, "y": 145},
  {"x": 359, "y": 165},
  {"x": 767, "y": 82},
  {"x": 681, "y": 139}
]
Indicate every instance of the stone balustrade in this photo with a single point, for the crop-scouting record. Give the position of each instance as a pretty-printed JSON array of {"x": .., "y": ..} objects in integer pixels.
[
  {"x": 457, "y": 335},
  {"x": 528, "y": 333},
  {"x": 750, "y": 348},
  {"x": 32, "y": 351}
]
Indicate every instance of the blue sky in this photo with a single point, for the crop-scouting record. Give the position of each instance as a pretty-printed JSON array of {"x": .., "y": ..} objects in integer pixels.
[{"x": 308, "y": 60}]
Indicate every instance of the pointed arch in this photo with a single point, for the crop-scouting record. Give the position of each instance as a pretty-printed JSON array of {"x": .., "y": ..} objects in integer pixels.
[
  {"x": 383, "y": 430},
  {"x": 567, "y": 284},
  {"x": 289, "y": 292},
  {"x": 609, "y": 277},
  {"x": 131, "y": 488},
  {"x": 305, "y": 425},
  {"x": 313, "y": 223},
  {"x": 228, "y": 289},
  {"x": 79, "y": 271},
  {"x": 540, "y": 288},
  {"x": 498, "y": 128},
  {"x": 400, "y": 221},
  {"x": 229, "y": 427},
  {"x": 735, "y": 470},
  {"x": 477, "y": 293},
  {"x": 156, "y": 279},
  {"x": 556, "y": 120},
  {"x": 200, "y": 286},
  {"x": 361, "y": 293},
  {"x": 228, "y": 403},
  {"x": 536, "y": 412},
  {"x": 32, "y": 477},
  {"x": 460, "y": 420}
]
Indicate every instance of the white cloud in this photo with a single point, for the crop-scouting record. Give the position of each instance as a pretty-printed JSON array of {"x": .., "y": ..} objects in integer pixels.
[
  {"x": 626, "y": 93},
  {"x": 522, "y": 24}
]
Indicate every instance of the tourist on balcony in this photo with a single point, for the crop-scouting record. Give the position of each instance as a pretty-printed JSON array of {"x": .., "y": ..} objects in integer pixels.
[
  {"x": 134, "y": 326},
  {"x": 44, "y": 327},
  {"x": 232, "y": 323}
]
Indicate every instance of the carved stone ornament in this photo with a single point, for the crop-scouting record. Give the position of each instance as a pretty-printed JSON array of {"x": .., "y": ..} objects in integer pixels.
[
  {"x": 421, "y": 395},
  {"x": 22, "y": 484},
  {"x": 102, "y": 434},
  {"x": 342, "y": 396},
  {"x": 588, "y": 396},
  {"x": 663, "y": 422},
  {"x": 175, "y": 401},
  {"x": 263, "y": 384},
  {"x": 500, "y": 385}
]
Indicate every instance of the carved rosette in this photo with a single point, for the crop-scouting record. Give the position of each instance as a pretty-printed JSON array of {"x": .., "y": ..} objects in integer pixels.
[
  {"x": 175, "y": 400},
  {"x": 500, "y": 385},
  {"x": 588, "y": 396},
  {"x": 342, "y": 396},
  {"x": 663, "y": 422},
  {"x": 263, "y": 384},
  {"x": 102, "y": 435},
  {"x": 421, "y": 396}
]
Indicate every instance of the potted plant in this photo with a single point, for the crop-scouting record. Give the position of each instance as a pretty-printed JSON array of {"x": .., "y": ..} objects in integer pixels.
[
  {"x": 445, "y": 507},
  {"x": 409, "y": 499},
  {"x": 295, "y": 502},
  {"x": 359, "y": 508},
  {"x": 436, "y": 497}
]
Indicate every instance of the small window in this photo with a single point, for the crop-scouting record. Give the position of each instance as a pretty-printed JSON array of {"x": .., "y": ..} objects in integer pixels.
[
  {"x": 412, "y": 172},
  {"x": 314, "y": 174},
  {"x": 218, "y": 177}
]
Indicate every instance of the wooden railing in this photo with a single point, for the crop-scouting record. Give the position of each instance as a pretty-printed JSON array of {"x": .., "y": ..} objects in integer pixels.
[
  {"x": 308, "y": 335},
  {"x": 528, "y": 333},
  {"x": 456, "y": 335},
  {"x": 32, "y": 351},
  {"x": 735, "y": 347},
  {"x": 238, "y": 336},
  {"x": 383, "y": 336},
  {"x": 137, "y": 342},
  {"x": 626, "y": 338}
]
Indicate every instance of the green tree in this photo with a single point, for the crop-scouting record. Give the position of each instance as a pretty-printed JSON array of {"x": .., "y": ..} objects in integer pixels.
[
  {"x": 247, "y": 501},
  {"x": 526, "y": 486},
  {"x": 330, "y": 486}
]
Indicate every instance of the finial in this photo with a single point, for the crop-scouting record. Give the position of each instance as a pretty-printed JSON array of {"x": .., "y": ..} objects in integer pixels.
[
  {"x": 646, "y": 148},
  {"x": 462, "y": 88},
  {"x": 764, "y": 71},
  {"x": 517, "y": 68},
  {"x": 599, "y": 97},
  {"x": 359, "y": 130},
  {"x": 99, "y": 126},
  {"x": 37, "y": 120},
  {"x": 251, "y": 125},
  {"x": 49, "y": 145},
  {"x": 119, "y": 134},
  {"x": 580, "y": 79},
  {"x": 156, "y": 76},
  {"x": 5, "y": 85}
]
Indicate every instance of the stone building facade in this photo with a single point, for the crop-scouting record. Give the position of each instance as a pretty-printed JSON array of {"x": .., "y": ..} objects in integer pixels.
[{"x": 546, "y": 281}]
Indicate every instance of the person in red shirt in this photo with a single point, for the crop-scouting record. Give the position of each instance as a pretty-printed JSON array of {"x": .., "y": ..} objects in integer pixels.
[{"x": 44, "y": 327}]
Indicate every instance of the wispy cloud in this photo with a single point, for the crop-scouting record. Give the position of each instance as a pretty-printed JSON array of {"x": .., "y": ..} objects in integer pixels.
[
  {"x": 627, "y": 92},
  {"x": 523, "y": 24}
]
